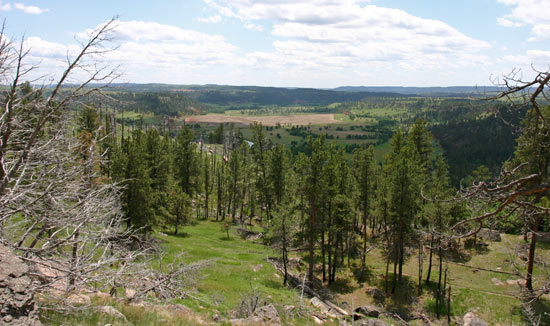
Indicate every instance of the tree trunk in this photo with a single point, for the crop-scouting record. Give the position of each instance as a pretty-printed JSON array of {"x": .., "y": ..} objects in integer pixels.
[
  {"x": 430, "y": 263},
  {"x": 323, "y": 254},
  {"x": 420, "y": 248},
  {"x": 438, "y": 294}
]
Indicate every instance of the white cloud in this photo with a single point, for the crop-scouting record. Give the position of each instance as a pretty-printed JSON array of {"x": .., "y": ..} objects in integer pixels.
[
  {"x": 538, "y": 58},
  {"x": 211, "y": 19},
  {"x": 348, "y": 33},
  {"x": 5, "y": 6},
  {"x": 30, "y": 9},
  {"x": 151, "y": 51},
  {"x": 528, "y": 12}
]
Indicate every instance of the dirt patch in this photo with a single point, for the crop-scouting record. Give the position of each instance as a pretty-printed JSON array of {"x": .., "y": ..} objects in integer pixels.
[{"x": 283, "y": 120}]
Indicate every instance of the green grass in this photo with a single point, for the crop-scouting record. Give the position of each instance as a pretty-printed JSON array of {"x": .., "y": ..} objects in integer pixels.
[
  {"x": 231, "y": 276},
  {"x": 472, "y": 290},
  {"x": 221, "y": 285}
]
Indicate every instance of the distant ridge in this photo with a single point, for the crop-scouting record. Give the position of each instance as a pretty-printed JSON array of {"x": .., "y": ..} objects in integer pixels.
[{"x": 425, "y": 91}]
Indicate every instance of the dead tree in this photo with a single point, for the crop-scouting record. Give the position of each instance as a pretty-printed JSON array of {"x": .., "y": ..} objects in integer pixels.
[
  {"x": 523, "y": 187},
  {"x": 56, "y": 210}
]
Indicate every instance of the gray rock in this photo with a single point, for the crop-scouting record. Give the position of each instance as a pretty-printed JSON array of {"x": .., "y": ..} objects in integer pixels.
[
  {"x": 17, "y": 306},
  {"x": 264, "y": 316},
  {"x": 79, "y": 299},
  {"x": 377, "y": 294},
  {"x": 112, "y": 311},
  {"x": 470, "y": 319},
  {"x": 369, "y": 311}
]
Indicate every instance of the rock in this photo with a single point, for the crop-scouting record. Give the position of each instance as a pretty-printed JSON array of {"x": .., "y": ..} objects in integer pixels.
[
  {"x": 490, "y": 235},
  {"x": 369, "y": 311},
  {"x": 129, "y": 294},
  {"x": 17, "y": 306},
  {"x": 377, "y": 294},
  {"x": 263, "y": 316},
  {"x": 79, "y": 299},
  {"x": 470, "y": 319},
  {"x": 317, "y": 320},
  {"x": 520, "y": 282},
  {"x": 324, "y": 308},
  {"x": 256, "y": 268},
  {"x": 250, "y": 235},
  {"x": 112, "y": 311},
  {"x": 268, "y": 313}
]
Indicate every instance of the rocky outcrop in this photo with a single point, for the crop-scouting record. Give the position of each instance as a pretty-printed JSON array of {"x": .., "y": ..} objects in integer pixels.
[
  {"x": 377, "y": 294},
  {"x": 112, "y": 312},
  {"x": 368, "y": 311},
  {"x": 470, "y": 319},
  {"x": 17, "y": 306},
  {"x": 263, "y": 316}
]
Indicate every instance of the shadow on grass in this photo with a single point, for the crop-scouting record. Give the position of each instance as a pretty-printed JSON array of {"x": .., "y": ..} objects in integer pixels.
[
  {"x": 543, "y": 245},
  {"x": 182, "y": 235},
  {"x": 363, "y": 274},
  {"x": 225, "y": 238},
  {"x": 342, "y": 286},
  {"x": 402, "y": 301}
]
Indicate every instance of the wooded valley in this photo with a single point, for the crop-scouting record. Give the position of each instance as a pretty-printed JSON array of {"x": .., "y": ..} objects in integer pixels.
[{"x": 121, "y": 206}]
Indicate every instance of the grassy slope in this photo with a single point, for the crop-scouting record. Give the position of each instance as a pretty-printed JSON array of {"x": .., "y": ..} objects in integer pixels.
[
  {"x": 472, "y": 290},
  {"x": 231, "y": 277},
  {"x": 222, "y": 284}
]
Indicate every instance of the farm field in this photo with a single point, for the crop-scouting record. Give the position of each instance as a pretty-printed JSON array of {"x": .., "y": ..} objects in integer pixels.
[{"x": 287, "y": 120}]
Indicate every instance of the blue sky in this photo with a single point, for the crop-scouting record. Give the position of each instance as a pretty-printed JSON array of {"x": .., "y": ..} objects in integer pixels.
[{"x": 295, "y": 43}]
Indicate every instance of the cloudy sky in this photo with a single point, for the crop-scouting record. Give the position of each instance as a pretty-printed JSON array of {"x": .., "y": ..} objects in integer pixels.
[{"x": 295, "y": 43}]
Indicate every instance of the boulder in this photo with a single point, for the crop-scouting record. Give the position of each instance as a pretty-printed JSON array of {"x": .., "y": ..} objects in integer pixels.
[
  {"x": 78, "y": 299},
  {"x": 17, "y": 306},
  {"x": 129, "y": 294},
  {"x": 377, "y": 294},
  {"x": 470, "y": 319},
  {"x": 323, "y": 307},
  {"x": 112, "y": 311},
  {"x": 489, "y": 234},
  {"x": 369, "y": 311},
  {"x": 263, "y": 316}
]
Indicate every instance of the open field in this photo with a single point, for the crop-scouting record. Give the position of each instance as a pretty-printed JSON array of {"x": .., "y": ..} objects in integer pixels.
[{"x": 286, "y": 120}]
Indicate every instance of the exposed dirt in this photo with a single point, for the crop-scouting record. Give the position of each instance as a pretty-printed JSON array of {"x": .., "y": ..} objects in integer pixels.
[{"x": 284, "y": 120}]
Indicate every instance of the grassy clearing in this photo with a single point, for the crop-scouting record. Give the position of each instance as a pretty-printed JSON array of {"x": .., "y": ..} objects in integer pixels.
[
  {"x": 486, "y": 293},
  {"x": 239, "y": 269}
]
